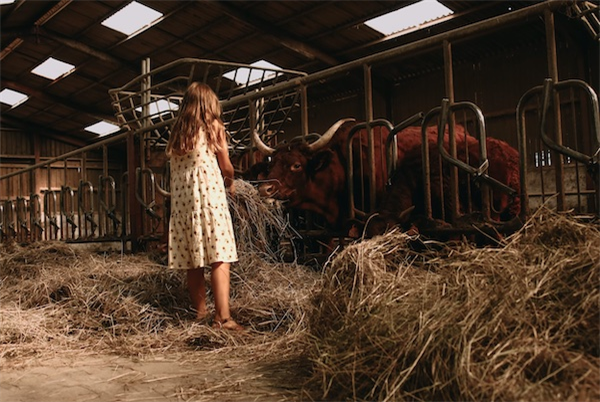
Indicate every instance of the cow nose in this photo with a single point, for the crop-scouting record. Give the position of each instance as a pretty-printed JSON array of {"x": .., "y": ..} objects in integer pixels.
[{"x": 267, "y": 189}]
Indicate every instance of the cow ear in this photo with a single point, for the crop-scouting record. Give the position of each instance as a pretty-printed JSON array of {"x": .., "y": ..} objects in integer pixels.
[{"x": 319, "y": 161}]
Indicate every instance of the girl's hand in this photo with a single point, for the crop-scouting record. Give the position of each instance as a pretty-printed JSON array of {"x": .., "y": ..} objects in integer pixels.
[{"x": 229, "y": 185}]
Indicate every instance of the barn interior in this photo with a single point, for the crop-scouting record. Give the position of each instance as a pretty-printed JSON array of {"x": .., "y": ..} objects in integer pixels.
[
  {"x": 88, "y": 310},
  {"x": 525, "y": 72}
]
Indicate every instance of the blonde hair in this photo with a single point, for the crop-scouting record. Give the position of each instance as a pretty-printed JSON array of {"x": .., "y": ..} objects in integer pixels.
[{"x": 198, "y": 112}]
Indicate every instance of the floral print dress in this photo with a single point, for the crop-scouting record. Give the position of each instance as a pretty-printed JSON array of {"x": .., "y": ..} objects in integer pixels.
[{"x": 200, "y": 228}]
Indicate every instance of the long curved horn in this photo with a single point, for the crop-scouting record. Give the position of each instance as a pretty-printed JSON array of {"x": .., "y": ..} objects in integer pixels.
[
  {"x": 325, "y": 138},
  {"x": 260, "y": 145}
]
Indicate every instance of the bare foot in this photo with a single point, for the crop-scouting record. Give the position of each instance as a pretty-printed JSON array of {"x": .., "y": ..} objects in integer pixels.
[
  {"x": 228, "y": 324},
  {"x": 201, "y": 315}
]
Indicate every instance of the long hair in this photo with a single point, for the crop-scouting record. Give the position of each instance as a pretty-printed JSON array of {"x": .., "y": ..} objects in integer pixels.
[{"x": 198, "y": 112}]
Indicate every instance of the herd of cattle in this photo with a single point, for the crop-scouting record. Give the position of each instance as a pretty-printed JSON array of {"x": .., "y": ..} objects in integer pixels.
[{"x": 313, "y": 177}]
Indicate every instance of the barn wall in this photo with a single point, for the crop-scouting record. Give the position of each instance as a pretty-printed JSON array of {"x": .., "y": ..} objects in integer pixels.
[{"x": 19, "y": 150}]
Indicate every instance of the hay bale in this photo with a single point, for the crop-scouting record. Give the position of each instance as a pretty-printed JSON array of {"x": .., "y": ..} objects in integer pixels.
[{"x": 514, "y": 323}]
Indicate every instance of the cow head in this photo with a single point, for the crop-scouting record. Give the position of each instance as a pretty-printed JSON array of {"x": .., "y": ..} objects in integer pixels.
[{"x": 307, "y": 176}]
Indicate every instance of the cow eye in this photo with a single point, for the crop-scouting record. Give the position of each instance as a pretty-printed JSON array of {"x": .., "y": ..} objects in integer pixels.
[{"x": 296, "y": 166}]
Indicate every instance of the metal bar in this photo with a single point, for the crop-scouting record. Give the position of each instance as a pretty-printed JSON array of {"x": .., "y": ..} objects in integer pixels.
[
  {"x": 449, "y": 83},
  {"x": 66, "y": 208},
  {"x": 574, "y": 131},
  {"x": 350, "y": 162},
  {"x": 370, "y": 136},
  {"x": 252, "y": 114},
  {"x": 50, "y": 212},
  {"x": 22, "y": 226},
  {"x": 85, "y": 195},
  {"x": 304, "y": 109},
  {"x": 550, "y": 88},
  {"x": 391, "y": 143},
  {"x": 522, "y": 145},
  {"x": 553, "y": 72}
]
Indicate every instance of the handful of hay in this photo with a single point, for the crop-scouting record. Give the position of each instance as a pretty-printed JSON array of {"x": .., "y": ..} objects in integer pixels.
[
  {"x": 259, "y": 225},
  {"x": 513, "y": 323}
]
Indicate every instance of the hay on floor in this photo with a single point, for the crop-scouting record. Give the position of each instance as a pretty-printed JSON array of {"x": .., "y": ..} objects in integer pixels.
[
  {"x": 514, "y": 323},
  {"x": 57, "y": 297}
]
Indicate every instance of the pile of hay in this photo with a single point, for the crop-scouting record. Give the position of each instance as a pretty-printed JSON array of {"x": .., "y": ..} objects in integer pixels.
[
  {"x": 514, "y": 323},
  {"x": 57, "y": 297}
]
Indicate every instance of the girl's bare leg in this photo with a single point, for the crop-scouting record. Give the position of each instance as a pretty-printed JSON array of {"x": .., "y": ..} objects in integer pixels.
[
  {"x": 219, "y": 278},
  {"x": 220, "y": 287},
  {"x": 197, "y": 287}
]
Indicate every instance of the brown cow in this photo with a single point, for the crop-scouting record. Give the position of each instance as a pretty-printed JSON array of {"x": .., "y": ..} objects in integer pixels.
[
  {"x": 313, "y": 176},
  {"x": 406, "y": 192}
]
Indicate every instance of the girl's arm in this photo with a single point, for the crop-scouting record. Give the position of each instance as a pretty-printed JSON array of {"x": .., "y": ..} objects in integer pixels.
[{"x": 225, "y": 164}]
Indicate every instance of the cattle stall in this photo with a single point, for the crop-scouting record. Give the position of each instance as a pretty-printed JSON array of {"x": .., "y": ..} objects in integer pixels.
[{"x": 549, "y": 114}]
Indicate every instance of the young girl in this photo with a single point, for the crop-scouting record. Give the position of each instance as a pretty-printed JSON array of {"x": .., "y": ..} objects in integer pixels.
[{"x": 200, "y": 228}]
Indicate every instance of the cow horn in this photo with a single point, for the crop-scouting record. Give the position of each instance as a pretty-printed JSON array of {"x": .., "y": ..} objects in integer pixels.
[
  {"x": 325, "y": 138},
  {"x": 260, "y": 145}
]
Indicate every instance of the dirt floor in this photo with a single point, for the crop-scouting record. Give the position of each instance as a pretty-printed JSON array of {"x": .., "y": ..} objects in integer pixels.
[{"x": 101, "y": 377}]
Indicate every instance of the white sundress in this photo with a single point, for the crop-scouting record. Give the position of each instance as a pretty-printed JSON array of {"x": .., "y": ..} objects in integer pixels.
[{"x": 200, "y": 227}]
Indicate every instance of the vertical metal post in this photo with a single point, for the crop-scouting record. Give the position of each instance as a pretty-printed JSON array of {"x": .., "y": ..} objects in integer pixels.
[
  {"x": 133, "y": 158},
  {"x": 81, "y": 223},
  {"x": 553, "y": 73},
  {"x": 49, "y": 186},
  {"x": 103, "y": 216},
  {"x": 304, "y": 110},
  {"x": 368, "y": 119},
  {"x": 522, "y": 134},
  {"x": 64, "y": 234},
  {"x": 252, "y": 114},
  {"x": 426, "y": 170},
  {"x": 144, "y": 151},
  {"x": 449, "y": 83}
]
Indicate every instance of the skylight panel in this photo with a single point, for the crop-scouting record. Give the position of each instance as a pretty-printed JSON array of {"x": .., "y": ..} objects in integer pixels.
[
  {"x": 244, "y": 75},
  {"x": 12, "y": 98},
  {"x": 102, "y": 128},
  {"x": 53, "y": 68},
  {"x": 132, "y": 18},
  {"x": 160, "y": 107},
  {"x": 412, "y": 16}
]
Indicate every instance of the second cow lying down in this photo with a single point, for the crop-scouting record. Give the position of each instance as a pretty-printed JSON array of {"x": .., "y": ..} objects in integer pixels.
[
  {"x": 313, "y": 176},
  {"x": 406, "y": 190}
]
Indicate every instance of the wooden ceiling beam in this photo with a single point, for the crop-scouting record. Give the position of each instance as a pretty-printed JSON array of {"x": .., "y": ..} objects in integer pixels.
[
  {"x": 276, "y": 35},
  {"x": 47, "y": 16}
]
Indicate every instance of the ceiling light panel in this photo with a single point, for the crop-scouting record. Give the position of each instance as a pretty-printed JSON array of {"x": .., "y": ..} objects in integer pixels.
[
  {"x": 132, "y": 18},
  {"x": 409, "y": 17},
  {"x": 12, "y": 98},
  {"x": 53, "y": 69},
  {"x": 102, "y": 128}
]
